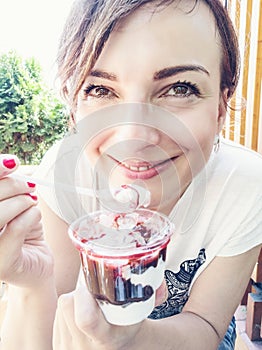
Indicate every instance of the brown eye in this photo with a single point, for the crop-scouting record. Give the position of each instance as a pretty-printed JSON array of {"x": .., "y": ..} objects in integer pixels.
[
  {"x": 96, "y": 91},
  {"x": 100, "y": 92},
  {"x": 179, "y": 91},
  {"x": 182, "y": 90}
]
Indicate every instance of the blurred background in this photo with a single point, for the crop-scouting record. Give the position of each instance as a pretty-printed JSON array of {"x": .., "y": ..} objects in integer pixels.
[
  {"x": 32, "y": 117},
  {"x": 32, "y": 28}
]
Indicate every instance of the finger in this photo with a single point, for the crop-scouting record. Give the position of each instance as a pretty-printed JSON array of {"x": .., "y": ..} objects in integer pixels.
[
  {"x": 88, "y": 315},
  {"x": 13, "y": 207},
  {"x": 58, "y": 334},
  {"x": 10, "y": 187},
  {"x": 90, "y": 319},
  {"x": 25, "y": 227},
  {"x": 8, "y": 164},
  {"x": 161, "y": 294},
  {"x": 61, "y": 333},
  {"x": 28, "y": 224},
  {"x": 67, "y": 311}
]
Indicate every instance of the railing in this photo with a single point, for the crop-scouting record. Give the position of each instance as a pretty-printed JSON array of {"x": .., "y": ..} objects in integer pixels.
[{"x": 244, "y": 124}]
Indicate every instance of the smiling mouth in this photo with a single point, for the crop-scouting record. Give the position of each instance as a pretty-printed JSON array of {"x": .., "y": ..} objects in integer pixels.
[{"x": 143, "y": 170}]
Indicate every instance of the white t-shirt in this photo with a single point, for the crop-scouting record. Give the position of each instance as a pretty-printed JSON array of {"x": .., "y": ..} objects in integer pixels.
[{"x": 220, "y": 214}]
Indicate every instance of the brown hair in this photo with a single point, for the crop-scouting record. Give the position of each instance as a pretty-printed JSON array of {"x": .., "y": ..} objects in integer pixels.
[{"x": 90, "y": 23}]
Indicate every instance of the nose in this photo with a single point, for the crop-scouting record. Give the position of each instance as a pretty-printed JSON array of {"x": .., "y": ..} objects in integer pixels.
[
  {"x": 134, "y": 141},
  {"x": 132, "y": 131},
  {"x": 136, "y": 132},
  {"x": 135, "y": 124}
]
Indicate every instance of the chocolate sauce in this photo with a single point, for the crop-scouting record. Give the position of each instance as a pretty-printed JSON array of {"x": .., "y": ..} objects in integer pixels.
[{"x": 106, "y": 281}]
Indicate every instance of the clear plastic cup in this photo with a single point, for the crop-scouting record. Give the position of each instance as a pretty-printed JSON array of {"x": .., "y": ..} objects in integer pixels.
[{"x": 123, "y": 259}]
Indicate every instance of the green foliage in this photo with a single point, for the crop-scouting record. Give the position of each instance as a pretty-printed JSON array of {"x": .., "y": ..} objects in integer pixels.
[{"x": 31, "y": 117}]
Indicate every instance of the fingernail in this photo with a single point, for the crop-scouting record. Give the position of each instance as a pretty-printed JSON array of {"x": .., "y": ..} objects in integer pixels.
[
  {"x": 9, "y": 163},
  {"x": 31, "y": 184},
  {"x": 32, "y": 196}
]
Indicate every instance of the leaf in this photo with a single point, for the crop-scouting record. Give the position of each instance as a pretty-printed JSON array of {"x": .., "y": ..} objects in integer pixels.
[{"x": 32, "y": 118}]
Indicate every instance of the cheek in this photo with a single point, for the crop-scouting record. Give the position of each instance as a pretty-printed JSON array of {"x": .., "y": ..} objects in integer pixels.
[
  {"x": 96, "y": 147},
  {"x": 200, "y": 130},
  {"x": 84, "y": 109},
  {"x": 92, "y": 148},
  {"x": 202, "y": 127},
  {"x": 205, "y": 134}
]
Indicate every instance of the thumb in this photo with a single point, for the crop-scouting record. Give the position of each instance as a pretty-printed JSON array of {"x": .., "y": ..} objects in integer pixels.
[
  {"x": 8, "y": 164},
  {"x": 88, "y": 315}
]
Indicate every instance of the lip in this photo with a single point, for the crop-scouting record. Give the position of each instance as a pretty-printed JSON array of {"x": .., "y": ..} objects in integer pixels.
[{"x": 142, "y": 170}]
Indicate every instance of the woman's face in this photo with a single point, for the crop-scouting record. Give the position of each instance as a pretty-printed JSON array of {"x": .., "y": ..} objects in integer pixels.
[{"x": 169, "y": 58}]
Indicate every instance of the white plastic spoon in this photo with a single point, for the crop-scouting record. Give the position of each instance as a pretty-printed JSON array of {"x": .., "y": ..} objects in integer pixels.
[{"x": 133, "y": 196}]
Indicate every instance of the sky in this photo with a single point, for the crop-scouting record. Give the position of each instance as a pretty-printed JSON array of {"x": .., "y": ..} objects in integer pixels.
[{"x": 32, "y": 28}]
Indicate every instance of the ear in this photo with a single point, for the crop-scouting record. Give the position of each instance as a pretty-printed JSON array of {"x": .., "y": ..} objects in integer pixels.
[{"x": 222, "y": 110}]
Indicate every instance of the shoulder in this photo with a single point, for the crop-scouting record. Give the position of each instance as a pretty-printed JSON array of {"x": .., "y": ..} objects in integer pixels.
[
  {"x": 59, "y": 158},
  {"x": 238, "y": 164},
  {"x": 65, "y": 169},
  {"x": 240, "y": 156}
]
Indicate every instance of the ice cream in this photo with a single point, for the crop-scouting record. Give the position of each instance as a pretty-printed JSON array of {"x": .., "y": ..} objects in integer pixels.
[{"x": 123, "y": 259}]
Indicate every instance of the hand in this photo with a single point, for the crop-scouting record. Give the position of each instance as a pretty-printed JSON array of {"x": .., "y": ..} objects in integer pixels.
[
  {"x": 80, "y": 324},
  {"x": 25, "y": 257}
]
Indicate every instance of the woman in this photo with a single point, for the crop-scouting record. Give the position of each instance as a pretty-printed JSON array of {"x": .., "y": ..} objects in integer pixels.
[{"x": 168, "y": 69}]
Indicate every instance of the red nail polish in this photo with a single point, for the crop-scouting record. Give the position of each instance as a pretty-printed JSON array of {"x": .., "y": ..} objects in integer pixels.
[
  {"x": 9, "y": 163},
  {"x": 32, "y": 196},
  {"x": 31, "y": 184}
]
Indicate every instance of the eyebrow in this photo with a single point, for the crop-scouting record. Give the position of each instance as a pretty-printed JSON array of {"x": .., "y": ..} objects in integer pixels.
[
  {"x": 170, "y": 71},
  {"x": 103, "y": 74},
  {"x": 161, "y": 74}
]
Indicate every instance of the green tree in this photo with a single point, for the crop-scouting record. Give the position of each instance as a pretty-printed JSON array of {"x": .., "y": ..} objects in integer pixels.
[{"x": 32, "y": 118}]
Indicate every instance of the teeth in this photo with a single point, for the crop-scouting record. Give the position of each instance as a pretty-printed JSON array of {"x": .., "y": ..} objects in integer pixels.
[
  {"x": 133, "y": 168},
  {"x": 136, "y": 168},
  {"x": 143, "y": 168}
]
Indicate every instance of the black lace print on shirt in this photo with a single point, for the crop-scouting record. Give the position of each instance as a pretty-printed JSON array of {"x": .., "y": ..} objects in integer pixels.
[{"x": 178, "y": 285}]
